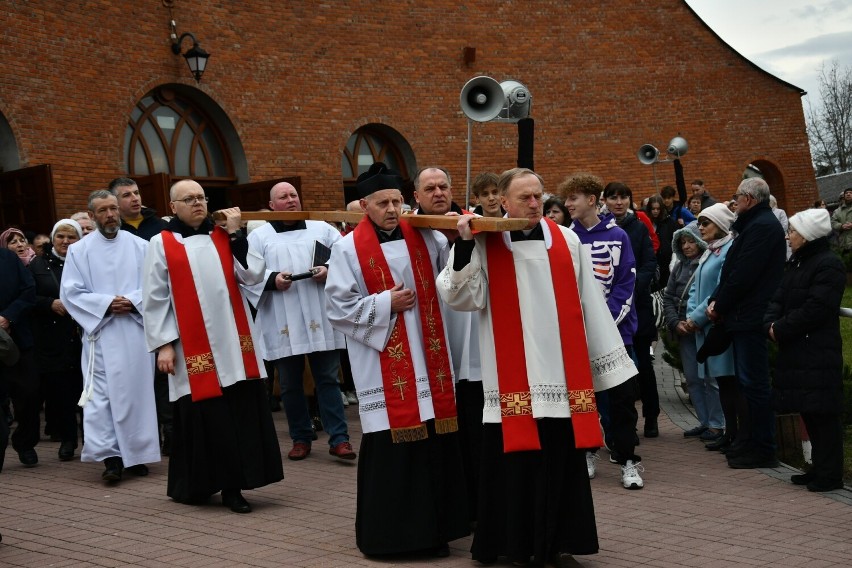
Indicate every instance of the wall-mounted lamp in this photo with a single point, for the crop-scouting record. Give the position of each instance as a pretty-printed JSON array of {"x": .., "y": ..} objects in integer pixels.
[{"x": 195, "y": 57}]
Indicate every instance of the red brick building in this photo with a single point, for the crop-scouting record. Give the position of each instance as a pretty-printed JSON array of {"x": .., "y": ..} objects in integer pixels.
[{"x": 90, "y": 88}]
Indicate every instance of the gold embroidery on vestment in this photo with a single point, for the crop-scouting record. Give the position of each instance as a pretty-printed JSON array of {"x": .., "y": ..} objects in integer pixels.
[
  {"x": 582, "y": 401},
  {"x": 197, "y": 364},
  {"x": 515, "y": 403}
]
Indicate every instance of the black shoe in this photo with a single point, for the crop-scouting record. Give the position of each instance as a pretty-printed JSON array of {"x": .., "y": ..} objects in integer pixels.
[
  {"x": 753, "y": 460},
  {"x": 28, "y": 457},
  {"x": 139, "y": 470},
  {"x": 233, "y": 499},
  {"x": 565, "y": 560},
  {"x": 822, "y": 486},
  {"x": 737, "y": 448},
  {"x": 274, "y": 404},
  {"x": 114, "y": 469},
  {"x": 720, "y": 445},
  {"x": 651, "y": 428},
  {"x": 66, "y": 451},
  {"x": 802, "y": 478},
  {"x": 441, "y": 551},
  {"x": 694, "y": 432}
]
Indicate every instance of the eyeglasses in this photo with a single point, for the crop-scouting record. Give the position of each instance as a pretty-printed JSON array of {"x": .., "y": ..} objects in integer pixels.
[
  {"x": 742, "y": 194},
  {"x": 192, "y": 200},
  {"x": 705, "y": 223}
]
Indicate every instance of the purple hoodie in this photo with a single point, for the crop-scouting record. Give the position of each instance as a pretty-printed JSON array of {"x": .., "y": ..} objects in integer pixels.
[{"x": 615, "y": 270}]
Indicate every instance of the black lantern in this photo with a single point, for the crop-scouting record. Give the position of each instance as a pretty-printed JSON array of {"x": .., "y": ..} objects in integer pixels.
[{"x": 195, "y": 57}]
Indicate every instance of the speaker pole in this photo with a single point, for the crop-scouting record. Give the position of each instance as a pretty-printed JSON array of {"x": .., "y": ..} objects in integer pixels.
[
  {"x": 467, "y": 184},
  {"x": 654, "y": 168}
]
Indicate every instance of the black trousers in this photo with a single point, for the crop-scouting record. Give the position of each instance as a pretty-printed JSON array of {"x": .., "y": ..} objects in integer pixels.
[
  {"x": 61, "y": 393},
  {"x": 826, "y": 434},
  {"x": 164, "y": 405},
  {"x": 647, "y": 379},
  {"x": 22, "y": 383}
]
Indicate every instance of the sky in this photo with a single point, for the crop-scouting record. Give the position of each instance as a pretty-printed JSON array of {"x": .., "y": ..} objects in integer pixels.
[{"x": 791, "y": 39}]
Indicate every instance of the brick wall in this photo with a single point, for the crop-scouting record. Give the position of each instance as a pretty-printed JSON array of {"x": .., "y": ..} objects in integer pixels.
[{"x": 296, "y": 79}]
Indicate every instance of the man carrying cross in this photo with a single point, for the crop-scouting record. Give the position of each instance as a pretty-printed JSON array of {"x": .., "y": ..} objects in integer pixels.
[{"x": 380, "y": 293}]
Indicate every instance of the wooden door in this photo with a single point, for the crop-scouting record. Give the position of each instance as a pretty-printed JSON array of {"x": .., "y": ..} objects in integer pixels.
[{"x": 26, "y": 199}]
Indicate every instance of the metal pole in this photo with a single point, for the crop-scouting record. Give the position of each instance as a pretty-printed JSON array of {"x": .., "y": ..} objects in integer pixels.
[{"x": 467, "y": 184}]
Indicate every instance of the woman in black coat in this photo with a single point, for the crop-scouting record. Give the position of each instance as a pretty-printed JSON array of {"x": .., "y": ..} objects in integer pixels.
[
  {"x": 57, "y": 339},
  {"x": 803, "y": 319}
]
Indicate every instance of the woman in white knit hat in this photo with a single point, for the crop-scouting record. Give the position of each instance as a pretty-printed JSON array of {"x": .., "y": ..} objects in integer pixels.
[
  {"x": 803, "y": 319},
  {"x": 716, "y": 374}
]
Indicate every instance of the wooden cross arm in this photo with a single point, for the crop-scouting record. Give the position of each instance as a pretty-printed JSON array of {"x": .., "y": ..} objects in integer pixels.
[{"x": 438, "y": 222}]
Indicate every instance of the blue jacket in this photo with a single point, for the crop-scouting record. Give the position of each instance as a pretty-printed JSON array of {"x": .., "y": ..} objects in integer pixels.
[
  {"x": 753, "y": 269},
  {"x": 615, "y": 270},
  {"x": 705, "y": 281}
]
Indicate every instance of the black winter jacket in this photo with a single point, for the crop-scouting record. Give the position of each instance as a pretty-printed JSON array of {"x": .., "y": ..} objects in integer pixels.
[
  {"x": 57, "y": 338},
  {"x": 646, "y": 272},
  {"x": 806, "y": 324},
  {"x": 151, "y": 225},
  {"x": 752, "y": 269}
]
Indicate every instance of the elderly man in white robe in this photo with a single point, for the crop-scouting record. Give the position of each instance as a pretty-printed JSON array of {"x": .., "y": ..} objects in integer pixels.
[
  {"x": 102, "y": 290},
  {"x": 197, "y": 320},
  {"x": 293, "y": 322},
  {"x": 547, "y": 344},
  {"x": 380, "y": 293}
]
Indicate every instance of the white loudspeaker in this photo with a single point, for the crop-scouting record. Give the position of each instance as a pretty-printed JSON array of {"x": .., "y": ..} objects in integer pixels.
[
  {"x": 677, "y": 147},
  {"x": 517, "y": 102},
  {"x": 648, "y": 154},
  {"x": 482, "y": 99}
]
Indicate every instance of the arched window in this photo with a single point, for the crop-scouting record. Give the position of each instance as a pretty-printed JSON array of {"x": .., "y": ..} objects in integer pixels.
[
  {"x": 375, "y": 143},
  {"x": 169, "y": 134}
]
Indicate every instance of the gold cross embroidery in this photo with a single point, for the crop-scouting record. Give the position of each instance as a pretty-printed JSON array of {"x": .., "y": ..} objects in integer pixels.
[
  {"x": 440, "y": 376},
  {"x": 286, "y": 331},
  {"x": 515, "y": 404},
  {"x": 400, "y": 383},
  {"x": 314, "y": 326},
  {"x": 582, "y": 401}
]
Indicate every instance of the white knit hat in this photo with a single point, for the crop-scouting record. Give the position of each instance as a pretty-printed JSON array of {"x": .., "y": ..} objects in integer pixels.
[
  {"x": 812, "y": 223},
  {"x": 720, "y": 215}
]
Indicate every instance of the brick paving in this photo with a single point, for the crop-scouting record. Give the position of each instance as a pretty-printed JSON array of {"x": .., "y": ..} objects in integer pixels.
[{"x": 693, "y": 511}]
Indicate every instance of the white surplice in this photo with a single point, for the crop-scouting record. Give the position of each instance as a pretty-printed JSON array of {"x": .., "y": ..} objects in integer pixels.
[
  {"x": 120, "y": 416},
  {"x": 161, "y": 325},
  {"x": 468, "y": 290},
  {"x": 292, "y": 322},
  {"x": 366, "y": 320}
]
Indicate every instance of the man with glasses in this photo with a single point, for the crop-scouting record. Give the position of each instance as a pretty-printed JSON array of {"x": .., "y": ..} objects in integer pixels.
[
  {"x": 102, "y": 290},
  {"x": 749, "y": 277},
  {"x": 200, "y": 325}
]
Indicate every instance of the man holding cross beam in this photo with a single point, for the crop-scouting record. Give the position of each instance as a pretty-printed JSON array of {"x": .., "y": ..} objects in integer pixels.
[{"x": 381, "y": 294}]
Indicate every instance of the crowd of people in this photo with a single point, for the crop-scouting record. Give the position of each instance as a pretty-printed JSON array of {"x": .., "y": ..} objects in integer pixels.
[{"x": 462, "y": 345}]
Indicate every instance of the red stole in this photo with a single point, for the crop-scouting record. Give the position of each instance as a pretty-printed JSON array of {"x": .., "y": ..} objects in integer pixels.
[
  {"x": 398, "y": 377},
  {"x": 520, "y": 432},
  {"x": 198, "y": 355}
]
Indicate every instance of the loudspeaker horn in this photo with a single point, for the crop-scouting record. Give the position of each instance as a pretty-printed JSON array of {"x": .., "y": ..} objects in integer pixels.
[
  {"x": 517, "y": 102},
  {"x": 482, "y": 99},
  {"x": 648, "y": 154},
  {"x": 678, "y": 147}
]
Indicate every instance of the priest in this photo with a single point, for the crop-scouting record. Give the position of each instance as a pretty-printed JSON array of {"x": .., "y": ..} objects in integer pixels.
[
  {"x": 102, "y": 290},
  {"x": 223, "y": 438},
  {"x": 380, "y": 293},
  {"x": 547, "y": 343}
]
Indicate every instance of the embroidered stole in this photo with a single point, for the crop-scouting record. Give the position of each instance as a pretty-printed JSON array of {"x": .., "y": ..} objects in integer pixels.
[
  {"x": 520, "y": 432},
  {"x": 198, "y": 355},
  {"x": 398, "y": 377}
]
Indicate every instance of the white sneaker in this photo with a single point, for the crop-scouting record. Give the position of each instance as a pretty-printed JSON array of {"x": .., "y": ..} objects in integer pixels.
[
  {"x": 345, "y": 400},
  {"x": 630, "y": 477},
  {"x": 591, "y": 458},
  {"x": 350, "y": 396}
]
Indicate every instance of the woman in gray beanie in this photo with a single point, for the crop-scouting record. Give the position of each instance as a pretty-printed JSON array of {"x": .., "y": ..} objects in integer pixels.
[
  {"x": 803, "y": 319},
  {"x": 687, "y": 247}
]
